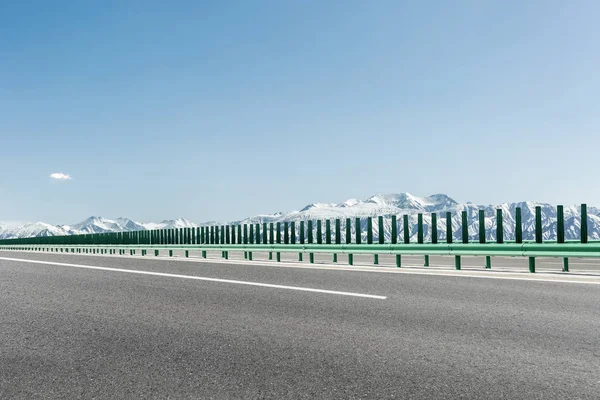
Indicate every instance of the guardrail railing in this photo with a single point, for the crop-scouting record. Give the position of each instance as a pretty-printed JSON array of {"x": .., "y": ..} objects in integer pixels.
[{"x": 283, "y": 237}]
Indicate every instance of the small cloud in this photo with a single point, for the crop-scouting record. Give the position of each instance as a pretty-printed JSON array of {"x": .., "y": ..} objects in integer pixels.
[{"x": 60, "y": 176}]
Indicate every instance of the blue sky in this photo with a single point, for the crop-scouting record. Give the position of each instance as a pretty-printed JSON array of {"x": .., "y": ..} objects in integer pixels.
[{"x": 221, "y": 110}]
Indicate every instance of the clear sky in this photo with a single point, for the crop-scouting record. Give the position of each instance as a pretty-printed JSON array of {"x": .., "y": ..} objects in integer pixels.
[{"x": 226, "y": 109}]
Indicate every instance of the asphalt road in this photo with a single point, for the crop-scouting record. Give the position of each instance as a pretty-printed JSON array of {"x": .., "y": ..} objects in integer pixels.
[{"x": 68, "y": 331}]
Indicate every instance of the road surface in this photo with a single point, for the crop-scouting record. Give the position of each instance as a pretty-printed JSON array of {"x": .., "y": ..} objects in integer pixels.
[{"x": 107, "y": 327}]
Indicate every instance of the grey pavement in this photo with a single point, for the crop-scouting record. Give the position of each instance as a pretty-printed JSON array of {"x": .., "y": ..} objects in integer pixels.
[{"x": 69, "y": 332}]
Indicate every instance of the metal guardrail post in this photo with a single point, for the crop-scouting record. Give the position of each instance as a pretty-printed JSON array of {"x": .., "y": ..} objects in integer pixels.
[
  {"x": 319, "y": 232},
  {"x": 434, "y": 230},
  {"x": 293, "y": 232},
  {"x": 327, "y": 231},
  {"x": 584, "y": 224},
  {"x": 538, "y": 226},
  {"x": 420, "y": 228},
  {"x": 499, "y": 227},
  {"x": 560, "y": 224},
  {"x": 532, "y": 264},
  {"x": 465, "y": 227},
  {"x": 449, "y": 232},
  {"x": 358, "y": 231},
  {"x": 394, "y": 230},
  {"x": 348, "y": 231},
  {"x": 370, "y": 230},
  {"x": 406, "y": 229},
  {"x": 481, "y": 226},
  {"x": 518, "y": 226}
]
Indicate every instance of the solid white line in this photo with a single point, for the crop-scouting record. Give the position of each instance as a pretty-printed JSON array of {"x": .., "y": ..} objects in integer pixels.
[{"x": 200, "y": 278}]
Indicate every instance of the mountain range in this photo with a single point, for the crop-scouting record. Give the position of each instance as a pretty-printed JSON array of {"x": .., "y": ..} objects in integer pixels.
[{"x": 381, "y": 204}]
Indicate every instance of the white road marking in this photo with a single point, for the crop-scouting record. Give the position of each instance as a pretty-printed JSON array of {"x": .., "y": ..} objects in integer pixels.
[{"x": 199, "y": 278}]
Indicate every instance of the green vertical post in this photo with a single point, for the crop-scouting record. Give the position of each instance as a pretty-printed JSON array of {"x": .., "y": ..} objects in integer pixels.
[
  {"x": 381, "y": 234},
  {"x": 538, "y": 226},
  {"x": 376, "y": 259},
  {"x": 406, "y": 229},
  {"x": 394, "y": 232},
  {"x": 358, "y": 231},
  {"x": 327, "y": 231},
  {"x": 560, "y": 224},
  {"x": 338, "y": 231},
  {"x": 222, "y": 234},
  {"x": 245, "y": 233},
  {"x": 348, "y": 231},
  {"x": 449, "y": 232},
  {"x": 311, "y": 258},
  {"x": 293, "y": 232},
  {"x": 310, "y": 239},
  {"x": 302, "y": 236},
  {"x": 217, "y": 236},
  {"x": 488, "y": 262},
  {"x": 319, "y": 232},
  {"x": 532, "y": 264},
  {"x": 398, "y": 261},
  {"x": 481, "y": 226},
  {"x": 265, "y": 234},
  {"x": 420, "y": 228},
  {"x": 584, "y": 224},
  {"x": 202, "y": 237},
  {"x": 278, "y": 256},
  {"x": 286, "y": 233},
  {"x": 271, "y": 233},
  {"x": 251, "y": 236},
  {"x": 565, "y": 264},
  {"x": 350, "y": 259},
  {"x": 499, "y": 227},
  {"x": 465, "y": 227},
  {"x": 335, "y": 258},
  {"x": 227, "y": 235},
  {"x": 278, "y": 233},
  {"x": 457, "y": 263},
  {"x": 518, "y": 226},
  {"x": 370, "y": 230},
  {"x": 434, "y": 233},
  {"x": 212, "y": 235}
]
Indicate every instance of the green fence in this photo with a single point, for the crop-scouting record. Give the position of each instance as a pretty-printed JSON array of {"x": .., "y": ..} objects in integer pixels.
[{"x": 335, "y": 238}]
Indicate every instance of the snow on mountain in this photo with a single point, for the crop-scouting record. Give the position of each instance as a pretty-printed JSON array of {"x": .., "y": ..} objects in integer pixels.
[
  {"x": 31, "y": 230},
  {"x": 386, "y": 205},
  {"x": 170, "y": 224}
]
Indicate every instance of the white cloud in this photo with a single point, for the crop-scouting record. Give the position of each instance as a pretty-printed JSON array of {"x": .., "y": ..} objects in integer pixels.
[{"x": 60, "y": 176}]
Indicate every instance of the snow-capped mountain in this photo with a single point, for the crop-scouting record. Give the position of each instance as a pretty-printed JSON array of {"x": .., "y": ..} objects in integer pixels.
[{"x": 386, "y": 205}]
